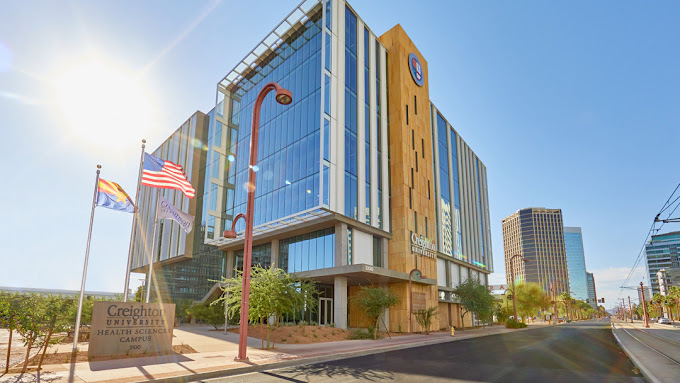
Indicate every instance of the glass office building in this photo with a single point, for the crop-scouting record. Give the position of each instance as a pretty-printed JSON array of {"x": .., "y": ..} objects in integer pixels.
[
  {"x": 352, "y": 187},
  {"x": 662, "y": 253},
  {"x": 592, "y": 293},
  {"x": 576, "y": 262},
  {"x": 185, "y": 264}
]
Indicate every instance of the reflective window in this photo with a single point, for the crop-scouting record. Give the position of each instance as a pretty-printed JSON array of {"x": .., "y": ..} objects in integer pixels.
[
  {"x": 327, "y": 52},
  {"x": 378, "y": 161},
  {"x": 308, "y": 251},
  {"x": 215, "y": 165},
  {"x": 329, "y": 13},
  {"x": 479, "y": 201},
  {"x": 367, "y": 126},
  {"x": 327, "y": 95},
  {"x": 445, "y": 215},
  {"x": 289, "y": 141},
  {"x": 218, "y": 134},
  {"x": 351, "y": 187},
  {"x": 377, "y": 252},
  {"x": 262, "y": 256}
]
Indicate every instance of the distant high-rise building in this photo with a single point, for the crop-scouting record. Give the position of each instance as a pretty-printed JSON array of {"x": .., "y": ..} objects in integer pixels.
[
  {"x": 592, "y": 293},
  {"x": 576, "y": 262},
  {"x": 537, "y": 234},
  {"x": 662, "y": 253}
]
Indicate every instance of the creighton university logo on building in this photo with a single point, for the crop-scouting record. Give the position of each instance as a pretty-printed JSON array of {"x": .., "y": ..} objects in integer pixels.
[
  {"x": 423, "y": 246},
  {"x": 416, "y": 69}
]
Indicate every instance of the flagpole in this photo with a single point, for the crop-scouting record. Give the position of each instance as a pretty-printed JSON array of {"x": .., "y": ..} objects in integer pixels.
[
  {"x": 134, "y": 222},
  {"x": 151, "y": 256},
  {"x": 87, "y": 255}
]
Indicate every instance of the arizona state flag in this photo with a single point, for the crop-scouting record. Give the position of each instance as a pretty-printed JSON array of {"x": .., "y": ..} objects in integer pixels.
[{"x": 112, "y": 196}]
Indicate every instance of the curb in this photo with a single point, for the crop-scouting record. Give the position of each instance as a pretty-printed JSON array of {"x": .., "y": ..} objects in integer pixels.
[
  {"x": 636, "y": 362},
  {"x": 314, "y": 359}
]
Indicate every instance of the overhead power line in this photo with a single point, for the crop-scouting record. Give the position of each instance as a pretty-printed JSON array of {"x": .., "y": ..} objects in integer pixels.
[{"x": 667, "y": 205}]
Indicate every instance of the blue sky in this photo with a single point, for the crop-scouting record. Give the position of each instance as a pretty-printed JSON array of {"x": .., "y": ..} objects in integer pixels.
[{"x": 570, "y": 105}]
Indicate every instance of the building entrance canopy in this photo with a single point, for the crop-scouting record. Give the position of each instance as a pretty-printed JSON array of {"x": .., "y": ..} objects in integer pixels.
[{"x": 361, "y": 275}]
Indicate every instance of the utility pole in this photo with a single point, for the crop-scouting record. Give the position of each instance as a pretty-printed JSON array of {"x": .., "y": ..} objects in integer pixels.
[
  {"x": 644, "y": 305},
  {"x": 630, "y": 307}
]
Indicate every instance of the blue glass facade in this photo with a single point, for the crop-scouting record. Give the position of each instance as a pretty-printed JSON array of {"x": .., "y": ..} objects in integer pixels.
[
  {"x": 289, "y": 142},
  {"x": 367, "y": 125},
  {"x": 378, "y": 160},
  {"x": 351, "y": 191},
  {"x": 576, "y": 263},
  {"x": 663, "y": 252},
  {"x": 449, "y": 216},
  {"x": 309, "y": 251},
  {"x": 445, "y": 218}
]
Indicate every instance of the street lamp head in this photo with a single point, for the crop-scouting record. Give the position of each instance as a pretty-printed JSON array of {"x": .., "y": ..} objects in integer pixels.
[
  {"x": 526, "y": 260},
  {"x": 283, "y": 96},
  {"x": 229, "y": 234}
]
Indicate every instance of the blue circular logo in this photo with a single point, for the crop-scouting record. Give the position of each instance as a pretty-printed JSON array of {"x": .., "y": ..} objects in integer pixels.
[{"x": 416, "y": 69}]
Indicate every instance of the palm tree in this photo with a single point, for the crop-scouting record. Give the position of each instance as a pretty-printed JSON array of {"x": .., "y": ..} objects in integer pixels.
[
  {"x": 658, "y": 301},
  {"x": 674, "y": 294}
]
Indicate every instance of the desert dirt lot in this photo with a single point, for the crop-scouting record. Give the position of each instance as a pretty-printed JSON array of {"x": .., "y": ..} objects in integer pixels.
[{"x": 18, "y": 350}]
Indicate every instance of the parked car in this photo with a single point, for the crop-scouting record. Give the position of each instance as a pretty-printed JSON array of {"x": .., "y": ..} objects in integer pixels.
[{"x": 664, "y": 321}]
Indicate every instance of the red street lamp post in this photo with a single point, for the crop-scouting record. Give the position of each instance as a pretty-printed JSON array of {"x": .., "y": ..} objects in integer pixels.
[
  {"x": 283, "y": 97},
  {"x": 644, "y": 304}
]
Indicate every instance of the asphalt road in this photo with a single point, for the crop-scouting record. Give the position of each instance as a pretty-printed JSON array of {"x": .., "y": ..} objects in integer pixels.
[{"x": 580, "y": 352}]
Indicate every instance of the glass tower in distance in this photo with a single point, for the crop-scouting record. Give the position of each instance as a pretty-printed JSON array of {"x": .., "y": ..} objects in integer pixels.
[
  {"x": 576, "y": 262},
  {"x": 662, "y": 253},
  {"x": 592, "y": 294}
]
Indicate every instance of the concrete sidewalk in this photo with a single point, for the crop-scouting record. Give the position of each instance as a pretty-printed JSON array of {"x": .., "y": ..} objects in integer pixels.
[
  {"x": 216, "y": 352},
  {"x": 654, "y": 350}
]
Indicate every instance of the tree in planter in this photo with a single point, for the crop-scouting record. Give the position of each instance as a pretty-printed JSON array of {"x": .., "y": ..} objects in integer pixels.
[
  {"x": 212, "y": 313},
  {"x": 530, "y": 298},
  {"x": 424, "y": 318},
  {"x": 566, "y": 300},
  {"x": 181, "y": 306},
  {"x": 503, "y": 312},
  {"x": 10, "y": 315},
  {"x": 139, "y": 293},
  {"x": 373, "y": 301},
  {"x": 273, "y": 293},
  {"x": 55, "y": 321},
  {"x": 474, "y": 298},
  {"x": 31, "y": 323}
]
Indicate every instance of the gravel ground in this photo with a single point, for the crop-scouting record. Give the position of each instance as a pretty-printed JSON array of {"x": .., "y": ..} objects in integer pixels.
[{"x": 18, "y": 349}]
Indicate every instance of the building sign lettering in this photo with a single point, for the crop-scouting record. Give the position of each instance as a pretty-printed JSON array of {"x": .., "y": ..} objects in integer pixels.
[
  {"x": 423, "y": 246},
  {"x": 120, "y": 328}
]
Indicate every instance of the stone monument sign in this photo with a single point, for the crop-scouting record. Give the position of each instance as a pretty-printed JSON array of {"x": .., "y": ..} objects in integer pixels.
[{"x": 124, "y": 328}]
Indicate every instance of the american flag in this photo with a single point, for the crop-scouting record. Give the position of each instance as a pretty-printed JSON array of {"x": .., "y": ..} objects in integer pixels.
[{"x": 165, "y": 174}]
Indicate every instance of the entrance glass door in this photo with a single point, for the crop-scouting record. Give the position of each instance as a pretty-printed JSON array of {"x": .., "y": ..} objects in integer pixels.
[{"x": 325, "y": 311}]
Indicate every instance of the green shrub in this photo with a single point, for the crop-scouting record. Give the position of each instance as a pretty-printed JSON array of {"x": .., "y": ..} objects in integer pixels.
[
  {"x": 360, "y": 334},
  {"x": 511, "y": 323}
]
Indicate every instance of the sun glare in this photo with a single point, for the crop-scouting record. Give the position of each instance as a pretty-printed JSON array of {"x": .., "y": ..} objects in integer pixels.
[{"x": 99, "y": 102}]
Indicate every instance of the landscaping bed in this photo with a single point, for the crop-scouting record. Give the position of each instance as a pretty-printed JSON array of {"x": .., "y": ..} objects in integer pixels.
[{"x": 297, "y": 334}]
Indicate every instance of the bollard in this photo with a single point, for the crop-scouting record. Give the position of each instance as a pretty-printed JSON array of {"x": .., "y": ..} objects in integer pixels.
[{"x": 453, "y": 330}]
